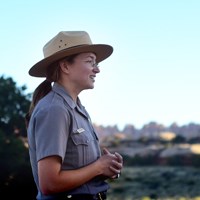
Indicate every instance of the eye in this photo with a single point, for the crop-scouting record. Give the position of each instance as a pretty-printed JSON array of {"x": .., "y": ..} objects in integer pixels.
[{"x": 90, "y": 61}]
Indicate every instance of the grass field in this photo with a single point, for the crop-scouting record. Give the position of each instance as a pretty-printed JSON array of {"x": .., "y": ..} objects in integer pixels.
[{"x": 161, "y": 183}]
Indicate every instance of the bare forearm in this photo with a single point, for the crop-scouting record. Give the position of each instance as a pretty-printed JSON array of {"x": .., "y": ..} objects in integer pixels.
[
  {"x": 64, "y": 180},
  {"x": 53, "y": 180},
  {"x": 69, "y": 179}
]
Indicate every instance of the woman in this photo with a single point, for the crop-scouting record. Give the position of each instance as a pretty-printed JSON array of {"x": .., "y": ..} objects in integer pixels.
[{"x": 65, "y": 156}]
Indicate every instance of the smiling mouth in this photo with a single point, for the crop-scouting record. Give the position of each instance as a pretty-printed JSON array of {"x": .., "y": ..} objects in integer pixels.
[{"x": 92, "y": 77}]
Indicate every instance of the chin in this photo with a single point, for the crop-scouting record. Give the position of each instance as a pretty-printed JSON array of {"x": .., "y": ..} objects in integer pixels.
[{"x": 91, "y": 86}]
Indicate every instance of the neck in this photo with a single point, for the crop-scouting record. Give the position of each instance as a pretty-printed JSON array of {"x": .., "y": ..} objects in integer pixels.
[{"x": 73, "y": 92}]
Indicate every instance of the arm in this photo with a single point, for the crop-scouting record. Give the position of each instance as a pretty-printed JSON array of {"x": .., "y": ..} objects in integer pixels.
[{"x": 53, "y": 180}]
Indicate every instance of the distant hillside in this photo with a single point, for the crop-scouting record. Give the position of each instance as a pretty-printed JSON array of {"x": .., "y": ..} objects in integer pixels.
[
  {"x": 154, "y": 144},
  {"x": 151, "y": 130}
]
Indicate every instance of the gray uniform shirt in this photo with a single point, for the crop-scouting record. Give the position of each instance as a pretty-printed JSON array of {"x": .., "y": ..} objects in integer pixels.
[{"x": 59, "y": 126}]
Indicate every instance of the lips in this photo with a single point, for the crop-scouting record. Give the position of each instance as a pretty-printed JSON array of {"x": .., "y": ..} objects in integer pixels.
[{"x": 92, "y": 77}]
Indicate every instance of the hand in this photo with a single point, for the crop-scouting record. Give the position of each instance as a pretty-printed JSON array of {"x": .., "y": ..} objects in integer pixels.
[
  {"x": 104, "y": 163},
  {"x": 116, "y": 165}
]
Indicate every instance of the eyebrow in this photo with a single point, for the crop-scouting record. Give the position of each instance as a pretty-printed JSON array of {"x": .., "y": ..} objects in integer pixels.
[{"x": 91, "y": 56}]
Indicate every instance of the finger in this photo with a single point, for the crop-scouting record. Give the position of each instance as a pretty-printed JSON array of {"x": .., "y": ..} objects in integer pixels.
[
  {"x": 113, "y": 177},
  {"x": 105, "y": 151},
  {"x": 117, "y": 165},
  {"x": 116, "y": 176},
  {"x": 120, "y": 158},
  {"x": 114, "y": 170}
]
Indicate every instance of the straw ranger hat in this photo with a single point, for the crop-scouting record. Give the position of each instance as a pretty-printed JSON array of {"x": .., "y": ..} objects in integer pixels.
[{"x": 67, "y": 43}]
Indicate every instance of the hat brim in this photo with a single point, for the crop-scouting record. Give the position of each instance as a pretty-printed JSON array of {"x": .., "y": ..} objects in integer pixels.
[{"x": 102, "y": 52}]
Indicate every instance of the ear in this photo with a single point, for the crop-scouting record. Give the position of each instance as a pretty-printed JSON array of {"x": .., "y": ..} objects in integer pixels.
[{"x": 64, "y": 66}]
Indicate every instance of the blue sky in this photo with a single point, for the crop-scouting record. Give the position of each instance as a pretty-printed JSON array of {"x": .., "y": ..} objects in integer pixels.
[{"x": 154, "y": 72}]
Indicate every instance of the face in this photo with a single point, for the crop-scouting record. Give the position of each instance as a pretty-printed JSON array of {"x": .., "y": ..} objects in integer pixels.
[{"x": 83, "y": 71}]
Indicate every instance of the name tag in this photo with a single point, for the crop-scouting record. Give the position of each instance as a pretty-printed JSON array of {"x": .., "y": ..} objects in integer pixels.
[{"x": 80, "y": 130}]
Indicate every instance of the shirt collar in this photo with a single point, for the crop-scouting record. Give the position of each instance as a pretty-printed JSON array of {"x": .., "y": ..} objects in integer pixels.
[{"x": 60, "y": 90}]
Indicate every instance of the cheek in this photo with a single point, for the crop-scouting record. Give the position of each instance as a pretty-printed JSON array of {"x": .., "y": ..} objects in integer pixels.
[
  {"x": 84, "y": 73},
  {"x": 81, "y": 75}
]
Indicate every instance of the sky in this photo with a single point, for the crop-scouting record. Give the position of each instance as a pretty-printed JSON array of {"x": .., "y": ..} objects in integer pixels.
[{"x": 153, "y": 74}]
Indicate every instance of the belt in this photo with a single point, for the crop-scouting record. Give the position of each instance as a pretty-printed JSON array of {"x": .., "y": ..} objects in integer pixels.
[{"x": 98, "y": 196}]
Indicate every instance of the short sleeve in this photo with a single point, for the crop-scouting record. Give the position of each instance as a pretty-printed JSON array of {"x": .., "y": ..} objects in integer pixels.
[{"x": 51, "y": 131}]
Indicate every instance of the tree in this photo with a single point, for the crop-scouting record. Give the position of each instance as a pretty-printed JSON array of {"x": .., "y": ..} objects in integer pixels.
[
  {"x": 14, "y": 106},
  {"x": 15, "y": 174}
]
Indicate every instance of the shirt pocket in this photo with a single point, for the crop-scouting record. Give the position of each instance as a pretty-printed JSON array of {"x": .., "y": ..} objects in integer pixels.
[
  {"x": 86, "y": 147},
  {"x": 82, "y": 138}
]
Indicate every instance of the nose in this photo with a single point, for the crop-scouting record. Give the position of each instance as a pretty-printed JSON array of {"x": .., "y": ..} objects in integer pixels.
[{"x": 96, "y": 69}]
